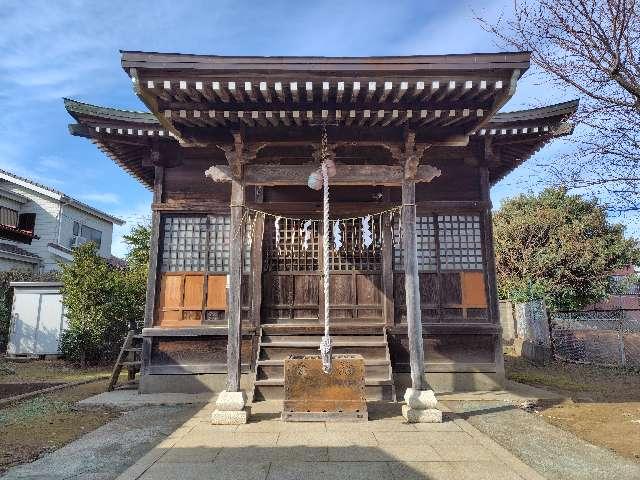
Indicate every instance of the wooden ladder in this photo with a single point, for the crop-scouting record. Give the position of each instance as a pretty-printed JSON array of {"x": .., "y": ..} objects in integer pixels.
[{"x": 128, "y": 358}]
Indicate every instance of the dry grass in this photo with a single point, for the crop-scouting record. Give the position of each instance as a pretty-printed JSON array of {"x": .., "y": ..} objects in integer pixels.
[
  {"x": 48, "y": 371},
  {"x": 603, "y": 405},
  {"x": 45, "y": 423}
]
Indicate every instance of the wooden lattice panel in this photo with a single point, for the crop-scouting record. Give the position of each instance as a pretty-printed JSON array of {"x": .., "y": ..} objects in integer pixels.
[
  {"x": 286, "y": 254},
  {"x": 460, "y": 242},
  {"x": 426, "y": 244},
  {"x": 354, "y": 254},
  {"x": 201, "y": 243}
]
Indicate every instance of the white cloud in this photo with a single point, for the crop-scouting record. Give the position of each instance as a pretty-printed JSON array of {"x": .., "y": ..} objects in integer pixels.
[{"x": 98, "y": 197}]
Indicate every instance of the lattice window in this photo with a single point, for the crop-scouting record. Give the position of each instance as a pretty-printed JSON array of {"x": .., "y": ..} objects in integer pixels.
[
  {"x": 219, "y": 236},
  {"x": 201, "y": 244},
  {"x": 426, "y": 244},
  {"x": 354, "y": 255},
  {"x": 184, "y": 246},
  {"x": 460, "y": 242},
  {"x": 288, "y": 254}
]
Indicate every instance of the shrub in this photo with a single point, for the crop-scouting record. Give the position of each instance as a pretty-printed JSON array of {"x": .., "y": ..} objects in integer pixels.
[
  {"x": 558, "y": 247},
  {"x": 103, "y": 300}
]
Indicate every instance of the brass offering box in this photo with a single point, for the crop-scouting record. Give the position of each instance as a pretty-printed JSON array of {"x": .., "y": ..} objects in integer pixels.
[{"x": 310, "y": 395}]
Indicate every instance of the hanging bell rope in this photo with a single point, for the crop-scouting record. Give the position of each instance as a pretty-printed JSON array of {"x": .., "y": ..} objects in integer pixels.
[{"x": 325, "y": 343}]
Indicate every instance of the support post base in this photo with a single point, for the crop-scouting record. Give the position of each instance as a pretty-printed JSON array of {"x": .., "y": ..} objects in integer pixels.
[
  {"x": 229, "y": 417},
  {"x": 230, "y": 409}
]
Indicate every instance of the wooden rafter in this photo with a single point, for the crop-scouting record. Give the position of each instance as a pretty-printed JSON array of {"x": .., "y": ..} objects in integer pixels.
[{"x": 151, "y": 102}]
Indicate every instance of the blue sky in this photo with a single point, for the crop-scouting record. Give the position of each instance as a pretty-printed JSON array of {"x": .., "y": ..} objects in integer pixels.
[{"x": 50, "y": 50}]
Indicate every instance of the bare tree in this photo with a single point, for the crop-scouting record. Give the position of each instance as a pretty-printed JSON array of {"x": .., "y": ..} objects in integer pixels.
[{"x": 591, "y": 47}]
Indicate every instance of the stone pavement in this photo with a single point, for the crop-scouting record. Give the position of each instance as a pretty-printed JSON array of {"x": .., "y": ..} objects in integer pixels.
[{"x": 383, "y": 448}]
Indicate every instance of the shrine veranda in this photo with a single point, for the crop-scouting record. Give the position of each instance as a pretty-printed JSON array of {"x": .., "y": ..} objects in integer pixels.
[{"x": 235, "y": 279}]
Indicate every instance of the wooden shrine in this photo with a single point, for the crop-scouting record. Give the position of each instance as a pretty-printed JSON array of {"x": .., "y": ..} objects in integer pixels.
[{"x": 418, "y": 142}]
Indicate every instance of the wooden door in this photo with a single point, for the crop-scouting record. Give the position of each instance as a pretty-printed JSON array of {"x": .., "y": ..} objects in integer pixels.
[{"x": 292, "y": 280}]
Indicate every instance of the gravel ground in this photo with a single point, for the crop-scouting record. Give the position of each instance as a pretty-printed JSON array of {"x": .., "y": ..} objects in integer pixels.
[
  {"x": 109, "y": 450},
  {"x": 554, "y": 453}
]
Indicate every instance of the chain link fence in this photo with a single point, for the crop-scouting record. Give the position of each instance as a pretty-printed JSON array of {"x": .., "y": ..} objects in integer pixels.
[{"x": 603, "y": 337}]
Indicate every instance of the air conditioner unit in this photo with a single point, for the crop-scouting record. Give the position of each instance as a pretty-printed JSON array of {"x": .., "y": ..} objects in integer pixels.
[{"x": 77, "y": 241}]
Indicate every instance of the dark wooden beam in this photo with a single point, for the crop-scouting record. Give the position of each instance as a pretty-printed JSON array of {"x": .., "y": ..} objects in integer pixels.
[
  {"x": 387, "y": 271},
  {"x": 163, "y": 154},
  {"x": 152, "y": 278},
  {"x": 275, "y": 175},
  {"x": 412, "y": 285},
  {"x": 490, "y": 265}
]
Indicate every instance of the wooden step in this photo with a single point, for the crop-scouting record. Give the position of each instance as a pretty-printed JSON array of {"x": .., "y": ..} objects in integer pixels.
[
  {"x": 279, "y": 338},
  {"x": 318, "y": 329},
  {"x": 334, "y": 323},
  {"x": 280, "y": 352},
  {"x": 313, "y": 342},
  {"x": 133, "y": 349},
  {"x": 266, "y": 369}
]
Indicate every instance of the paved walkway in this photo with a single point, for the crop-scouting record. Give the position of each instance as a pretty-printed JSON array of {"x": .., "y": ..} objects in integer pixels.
[
  {"x": 383, "y": 448},
  {"x": 555, "y": 453}
]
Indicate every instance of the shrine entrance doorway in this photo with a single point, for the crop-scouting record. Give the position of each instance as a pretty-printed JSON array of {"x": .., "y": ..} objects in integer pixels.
[{"x": 292, "y": 274}]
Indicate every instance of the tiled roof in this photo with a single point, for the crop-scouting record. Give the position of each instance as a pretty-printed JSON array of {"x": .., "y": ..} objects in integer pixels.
[{"x": 15, "y": 250}]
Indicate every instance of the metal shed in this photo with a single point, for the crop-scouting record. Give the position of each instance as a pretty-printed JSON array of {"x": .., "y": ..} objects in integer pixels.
[{"x": 37, "y": 318}]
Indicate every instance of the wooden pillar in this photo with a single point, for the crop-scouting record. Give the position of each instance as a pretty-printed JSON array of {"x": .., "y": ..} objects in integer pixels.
[
  {"x": 234, "y": 336},
  {"x": 412, "y": 284},
  {"x": 490, "y": 266},
  {"x": 256, "y": 262},
  {"x": 387, "y": 271},
  {"x": 152, "y": 278}
]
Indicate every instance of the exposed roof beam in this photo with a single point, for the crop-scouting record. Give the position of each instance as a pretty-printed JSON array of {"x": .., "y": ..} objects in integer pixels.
[
  {"x": 149, "y": 100},
  {"x": 274, "y": 175}
]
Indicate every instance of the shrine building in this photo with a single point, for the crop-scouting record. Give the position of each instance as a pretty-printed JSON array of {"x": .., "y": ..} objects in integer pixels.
[{"x": 235, "y": 278}]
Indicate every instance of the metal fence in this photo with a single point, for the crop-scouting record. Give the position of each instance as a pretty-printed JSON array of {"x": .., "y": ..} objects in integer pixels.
[{"x": 610, "y": 338}]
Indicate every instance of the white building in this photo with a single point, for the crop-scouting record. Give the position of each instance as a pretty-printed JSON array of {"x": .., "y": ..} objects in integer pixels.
[{"x": 40, "y": 225}]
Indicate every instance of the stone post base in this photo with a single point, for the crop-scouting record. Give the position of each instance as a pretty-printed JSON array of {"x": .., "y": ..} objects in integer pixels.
[
  {"x": 421, "y": 407},
  {"x": 230, "y": 409},
  {"x": 430, "y": 415}
]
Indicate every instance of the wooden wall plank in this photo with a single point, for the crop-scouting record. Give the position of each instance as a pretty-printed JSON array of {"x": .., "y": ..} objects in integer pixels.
[
  {"x": 217, "y": 292},
  {"x": 473, "y": 290}
]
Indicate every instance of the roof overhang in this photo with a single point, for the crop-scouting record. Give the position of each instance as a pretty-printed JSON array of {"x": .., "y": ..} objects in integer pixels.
[
  {"x": 192, "y": 96},
  {"x": 202, "y": 104}
]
